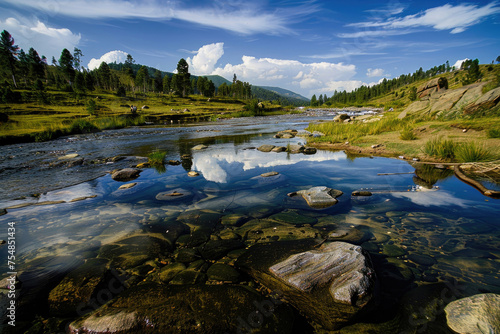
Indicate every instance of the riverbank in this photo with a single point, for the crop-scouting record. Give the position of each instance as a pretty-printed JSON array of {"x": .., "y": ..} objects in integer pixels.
[{"x": 67, "y": 114}]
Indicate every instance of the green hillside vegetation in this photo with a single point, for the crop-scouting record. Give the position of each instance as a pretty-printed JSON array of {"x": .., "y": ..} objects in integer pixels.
[
  {"x": 425, "y": 134},
  {"x": 41, "y": 101}
]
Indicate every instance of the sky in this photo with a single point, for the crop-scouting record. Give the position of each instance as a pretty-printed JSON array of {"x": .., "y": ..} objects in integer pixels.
[{"x": 309, "y": 47}]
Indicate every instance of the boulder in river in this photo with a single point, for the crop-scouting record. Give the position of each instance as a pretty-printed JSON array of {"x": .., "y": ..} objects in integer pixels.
[
  {"x": 319, "y": 197},
  {"x": 330, "y": 284},
  {"x": 126, "y": 174},
  {"x": 265, "y": 148},
  {"x": 475, "y": 314}
]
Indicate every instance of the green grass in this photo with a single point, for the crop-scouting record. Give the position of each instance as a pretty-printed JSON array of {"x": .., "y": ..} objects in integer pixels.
[
  {"x": 472, "y": 152},
  {"x": 340, "y": 132},
  {"x": 440, "y": 148},
  {"x": 157, "y": 158}
]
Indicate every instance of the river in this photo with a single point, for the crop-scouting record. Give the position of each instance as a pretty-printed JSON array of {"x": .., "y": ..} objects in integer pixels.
[{"x": 429, "y": 245}]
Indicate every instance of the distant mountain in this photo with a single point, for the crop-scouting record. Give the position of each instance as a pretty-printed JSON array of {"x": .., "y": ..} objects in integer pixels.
[{"x": 286, "y": 92}]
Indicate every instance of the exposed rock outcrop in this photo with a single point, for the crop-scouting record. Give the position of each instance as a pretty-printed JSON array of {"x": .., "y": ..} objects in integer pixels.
[
  {"x": 432, "y": 86},
  {"x": 454, "y": 102}
]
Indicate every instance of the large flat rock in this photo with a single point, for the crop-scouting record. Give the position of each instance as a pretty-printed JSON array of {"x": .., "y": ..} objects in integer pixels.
[{"x": 330, "y": 285}]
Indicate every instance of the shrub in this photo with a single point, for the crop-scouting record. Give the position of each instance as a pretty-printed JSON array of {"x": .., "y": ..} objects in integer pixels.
[
  {"x": 472, "y": 152},
  {"x": 91, "y": 107},
  {"x": 440, "y": 148},
  {"x": 494, "y": 133},
  {"x": 121, "y": 91}
]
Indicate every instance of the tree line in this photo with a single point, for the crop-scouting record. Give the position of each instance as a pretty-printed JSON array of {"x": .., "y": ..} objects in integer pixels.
[{"x": 33, "y": 72}]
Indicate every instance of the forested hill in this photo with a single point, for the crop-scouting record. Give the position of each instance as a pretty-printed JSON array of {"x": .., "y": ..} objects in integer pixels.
[
  {"x": 285, "y": 97},
  {"x": 285, "y": 92}
]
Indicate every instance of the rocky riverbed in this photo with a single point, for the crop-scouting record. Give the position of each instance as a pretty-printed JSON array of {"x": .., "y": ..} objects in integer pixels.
[{"x": 231, "y": 249}]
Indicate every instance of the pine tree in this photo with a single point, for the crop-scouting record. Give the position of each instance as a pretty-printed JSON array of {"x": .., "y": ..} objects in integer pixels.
[
  {"x": 66, "y": 65},
  {"x": 314, "y": 101},
  {"x": 8, "y": 53},
  {"x": 184, "y": 80}
]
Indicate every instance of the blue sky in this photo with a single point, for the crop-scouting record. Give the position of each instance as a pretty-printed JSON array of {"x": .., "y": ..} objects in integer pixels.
[{"x": 309, "y": 47}]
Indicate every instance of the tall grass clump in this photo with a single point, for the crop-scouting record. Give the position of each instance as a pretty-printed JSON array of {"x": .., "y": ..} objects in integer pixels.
[
  {"x": 407, "y": 134},
  {"x": 440, "y": 148},
  {"x": 472, "y": 152},
  {"x": 157, "y": 158}
]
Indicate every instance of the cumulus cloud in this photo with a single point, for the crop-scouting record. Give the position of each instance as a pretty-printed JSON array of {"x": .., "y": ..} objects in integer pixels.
[
  {"x": 304, "y": 78},
  {"x": 45, "y": 40},
  {"x": 116, "y": 56},
  {"x": 447, "y": 17},
  {"x": 242, "y": 17},
  {"x": 375, "y": 72},
  {"x": 205, "y": 59}
]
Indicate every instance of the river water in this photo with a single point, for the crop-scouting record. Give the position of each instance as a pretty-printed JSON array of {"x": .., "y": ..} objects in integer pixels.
[{"x": 422, "y": 243}]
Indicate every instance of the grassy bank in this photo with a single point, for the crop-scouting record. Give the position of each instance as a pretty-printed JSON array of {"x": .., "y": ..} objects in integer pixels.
[
  {"x": 459, "y": 140},
  {"x": 65, "y": 114}
]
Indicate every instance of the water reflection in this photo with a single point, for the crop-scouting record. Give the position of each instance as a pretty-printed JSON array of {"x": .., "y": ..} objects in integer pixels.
[{"x": 218, "y": 164}]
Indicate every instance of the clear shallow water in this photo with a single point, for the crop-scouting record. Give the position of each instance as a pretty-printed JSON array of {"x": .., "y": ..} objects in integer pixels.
[{"x": 446, "y": 236}]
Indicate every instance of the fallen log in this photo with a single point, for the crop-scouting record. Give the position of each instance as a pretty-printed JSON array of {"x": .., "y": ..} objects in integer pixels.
[{"x": 485, "y": 191}]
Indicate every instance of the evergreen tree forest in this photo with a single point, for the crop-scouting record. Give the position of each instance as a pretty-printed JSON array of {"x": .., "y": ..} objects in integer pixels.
[{"x": 32, "y": 72}]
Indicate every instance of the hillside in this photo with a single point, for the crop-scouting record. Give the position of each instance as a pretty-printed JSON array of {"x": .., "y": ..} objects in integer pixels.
[
  {"x": 285, "y": 93},
  {"x": 433, "y": 119}
]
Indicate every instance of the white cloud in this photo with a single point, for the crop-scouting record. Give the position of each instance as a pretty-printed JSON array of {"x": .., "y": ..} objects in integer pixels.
[
  {"x": 116, "y": 56},
  {"x": 375, "y": 72},
  {"x": 447, "y": 17},
  {"x": 243, "y": 17},
  {"x": 205, "y": 59},
  {"x": 459, "y": 62},
  {"x": 47, "y": 41},
  {"x": 303, "y": 78}
]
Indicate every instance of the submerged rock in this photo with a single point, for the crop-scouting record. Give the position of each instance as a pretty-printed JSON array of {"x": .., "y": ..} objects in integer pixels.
[
  {"x": 361, "y": 193},
  {"x": 320, "y": 197},
  {"x": 76, "y": 290},
  {"x": 476, "y": 314},
  {"x": 126, "y": 174},
  {"x": 330, "y": 285},
  {"x": 188, "y": 309},
  {"x": 128, "y": 185},
  {"x": 173, "y": 195},
  {"x": 223, "y": 272}
]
